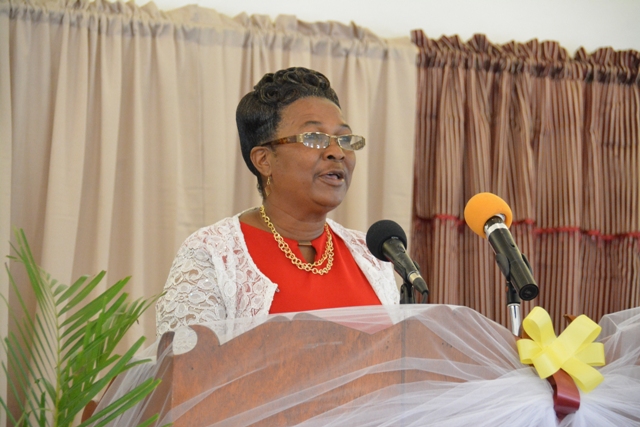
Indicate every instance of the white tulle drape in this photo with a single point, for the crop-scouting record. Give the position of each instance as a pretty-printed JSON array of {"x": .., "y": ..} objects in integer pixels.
[{"x": 488, "y": 385}]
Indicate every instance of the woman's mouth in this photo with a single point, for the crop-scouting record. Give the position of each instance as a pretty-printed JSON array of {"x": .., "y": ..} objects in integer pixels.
[{"x": 334, "y": 176}]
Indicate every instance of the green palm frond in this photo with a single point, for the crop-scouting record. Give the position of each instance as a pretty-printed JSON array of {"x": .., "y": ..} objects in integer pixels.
[{"x": 63, "y": 356}]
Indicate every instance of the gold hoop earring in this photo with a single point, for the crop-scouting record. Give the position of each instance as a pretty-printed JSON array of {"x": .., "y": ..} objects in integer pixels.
[{"x": 267, "y": 190}]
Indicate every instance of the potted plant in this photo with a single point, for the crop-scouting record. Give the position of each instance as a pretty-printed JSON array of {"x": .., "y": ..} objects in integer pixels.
[{"x": 63, "y": 356}]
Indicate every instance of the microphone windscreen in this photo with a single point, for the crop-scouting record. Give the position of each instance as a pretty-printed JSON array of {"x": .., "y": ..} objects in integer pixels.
[
  {"x": 382, "y": 231},
  {"x": 481, "y": 207}
]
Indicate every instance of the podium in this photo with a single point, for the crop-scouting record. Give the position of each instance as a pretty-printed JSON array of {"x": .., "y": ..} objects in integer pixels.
[{"x": 406, "y": 365}]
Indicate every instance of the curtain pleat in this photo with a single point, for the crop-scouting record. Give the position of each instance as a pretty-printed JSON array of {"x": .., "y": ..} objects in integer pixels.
[{"x": 557, "y": 138}]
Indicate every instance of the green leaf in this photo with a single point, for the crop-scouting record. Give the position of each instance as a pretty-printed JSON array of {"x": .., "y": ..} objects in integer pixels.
[
  {"x": 42, "y": 420},
  {"x": 93, "y": 307},
  {"x": 120, "y": 406},
  {"x": 10, "y": 416},
  {"x": 14, "y": 392},
  {"x": 18, "y": 361},
  {"x": 71, "y": 290},
  {"x": 84, "y": 292},
  {"x": 120, "y": 366},
  {"x": 59, "y": 289},
  {"x": 80, "y": 332}
]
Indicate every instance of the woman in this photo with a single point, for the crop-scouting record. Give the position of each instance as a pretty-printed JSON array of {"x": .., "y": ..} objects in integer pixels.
[{"x": 286, "y": 255}]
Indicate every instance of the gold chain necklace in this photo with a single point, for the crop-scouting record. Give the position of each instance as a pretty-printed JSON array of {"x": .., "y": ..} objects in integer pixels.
[{"x": 284, "y": 247}]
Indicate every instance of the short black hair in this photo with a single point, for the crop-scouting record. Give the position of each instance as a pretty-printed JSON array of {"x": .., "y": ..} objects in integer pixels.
[{"x": 258, "y": 113}]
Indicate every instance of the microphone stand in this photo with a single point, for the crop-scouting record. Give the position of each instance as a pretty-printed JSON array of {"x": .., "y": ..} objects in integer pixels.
[
  {"x": 513, "y": 303},
  {"x": 513, "y": 308},
  {"x": 513, "y": 299},
  {"x": 406, "y": 293}
]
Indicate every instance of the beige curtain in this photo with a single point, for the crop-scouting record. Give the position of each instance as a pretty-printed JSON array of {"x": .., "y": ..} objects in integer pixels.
[
  {"x": 558, "y": 139},
  {"x": 118, "y": 136}
]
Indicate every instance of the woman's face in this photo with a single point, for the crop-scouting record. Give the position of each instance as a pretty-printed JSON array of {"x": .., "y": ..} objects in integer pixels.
[{"x": 309, "y": 178}]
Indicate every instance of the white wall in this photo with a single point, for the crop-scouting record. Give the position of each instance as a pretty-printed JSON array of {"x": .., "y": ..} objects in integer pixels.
[{"x": 573, "y": 23}]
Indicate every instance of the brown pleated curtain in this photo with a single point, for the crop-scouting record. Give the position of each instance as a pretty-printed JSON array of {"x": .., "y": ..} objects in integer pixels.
[{"x": 557, "y": 138}]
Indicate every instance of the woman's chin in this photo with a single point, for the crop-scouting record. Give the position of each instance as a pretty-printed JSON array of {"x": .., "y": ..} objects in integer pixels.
[{"x": 330, "y": 201}]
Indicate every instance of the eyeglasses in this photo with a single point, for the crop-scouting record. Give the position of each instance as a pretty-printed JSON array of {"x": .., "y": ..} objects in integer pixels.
[{"x": 321, "y": 140}]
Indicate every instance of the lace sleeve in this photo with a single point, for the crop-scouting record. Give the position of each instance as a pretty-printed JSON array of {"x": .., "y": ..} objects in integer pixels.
[{"x": 192, "y": 292}]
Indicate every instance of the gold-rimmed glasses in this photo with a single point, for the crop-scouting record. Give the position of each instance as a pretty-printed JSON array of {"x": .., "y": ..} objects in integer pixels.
[{"x": 321, "y": 140}]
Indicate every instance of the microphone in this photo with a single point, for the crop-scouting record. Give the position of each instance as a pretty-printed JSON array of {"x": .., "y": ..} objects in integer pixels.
[
  {"x": 387, "y": 241},
  {"x": 490, "y": 217}
]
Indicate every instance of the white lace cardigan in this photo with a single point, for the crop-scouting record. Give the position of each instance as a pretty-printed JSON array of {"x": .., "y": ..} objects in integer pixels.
[{"x": 213, "y": 277}]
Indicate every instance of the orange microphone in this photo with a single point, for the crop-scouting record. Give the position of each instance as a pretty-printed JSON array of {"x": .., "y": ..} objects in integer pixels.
[{"x": 490, "y": 217}]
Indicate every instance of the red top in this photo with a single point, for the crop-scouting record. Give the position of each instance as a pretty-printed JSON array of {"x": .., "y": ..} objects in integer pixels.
[{"x": 343, "y": 286}]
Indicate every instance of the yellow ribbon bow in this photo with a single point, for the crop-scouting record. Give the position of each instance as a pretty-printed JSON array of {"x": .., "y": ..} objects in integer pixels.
[{"x": 573, "y": 351}]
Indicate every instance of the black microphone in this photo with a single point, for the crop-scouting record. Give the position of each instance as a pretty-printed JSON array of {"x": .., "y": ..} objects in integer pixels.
[
  {"x": 490, "y": 217},
  {"x": 387, "y": 241}
]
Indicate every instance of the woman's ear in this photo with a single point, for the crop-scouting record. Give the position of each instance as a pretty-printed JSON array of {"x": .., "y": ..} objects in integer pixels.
[{"x": 261, "y": 159}]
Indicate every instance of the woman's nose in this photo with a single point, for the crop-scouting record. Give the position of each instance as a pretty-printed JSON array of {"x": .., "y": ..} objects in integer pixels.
[{"x": 334, "y": 151}]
